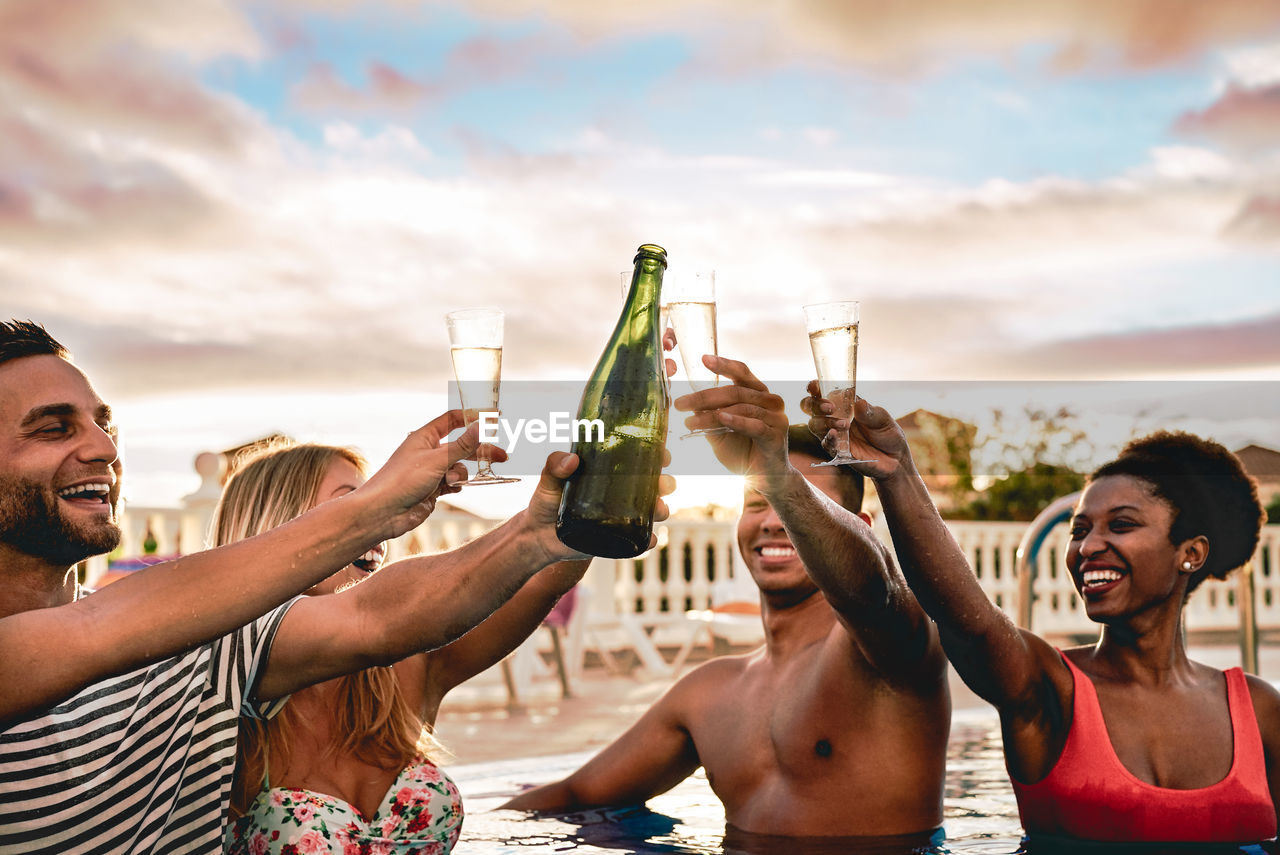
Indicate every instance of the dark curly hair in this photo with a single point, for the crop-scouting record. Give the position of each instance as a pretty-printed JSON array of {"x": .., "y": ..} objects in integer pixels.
[{"x": 1208, "y": 489}]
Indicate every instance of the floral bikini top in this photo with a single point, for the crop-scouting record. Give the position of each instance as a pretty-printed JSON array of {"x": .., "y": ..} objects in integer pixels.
[{"x": 421, "y": 814}]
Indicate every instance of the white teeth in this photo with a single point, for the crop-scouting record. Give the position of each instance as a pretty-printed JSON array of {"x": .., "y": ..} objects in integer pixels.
[
  {"x": 371, "y": 560},
  {"x": 102, "y": 489},
  {"x": 777, "y": 551},
  {"x": 1099, "y": 577}
]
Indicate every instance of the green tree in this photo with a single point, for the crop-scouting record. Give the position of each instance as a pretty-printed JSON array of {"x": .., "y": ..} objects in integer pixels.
[
  {"x": 1020, "y": 495},
  {"x": 1030, "y": 464},
  {"x": 1273, "y": 509}
]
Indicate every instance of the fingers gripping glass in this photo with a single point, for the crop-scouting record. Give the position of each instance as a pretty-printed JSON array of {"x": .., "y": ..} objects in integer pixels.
[
  {"x": 475, "y": 343},
  {"x": 833, "y": 337},
  {"x": 691, "y": 306}
]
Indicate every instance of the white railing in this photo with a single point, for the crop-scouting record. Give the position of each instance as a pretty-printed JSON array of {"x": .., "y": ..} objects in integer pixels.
[
  {"x": 696, "y": 558},
  {"x": 696, "y": 565}
]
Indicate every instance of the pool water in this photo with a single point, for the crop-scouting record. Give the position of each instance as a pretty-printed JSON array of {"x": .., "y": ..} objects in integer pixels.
[{"x": 980, "y": 814}]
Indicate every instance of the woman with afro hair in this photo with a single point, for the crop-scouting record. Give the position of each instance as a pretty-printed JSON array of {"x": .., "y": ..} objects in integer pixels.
[{"x": 1125, "y": 740}]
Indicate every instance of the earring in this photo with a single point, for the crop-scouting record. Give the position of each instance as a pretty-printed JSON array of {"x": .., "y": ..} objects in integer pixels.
[{"x": 1186, "y": 565}]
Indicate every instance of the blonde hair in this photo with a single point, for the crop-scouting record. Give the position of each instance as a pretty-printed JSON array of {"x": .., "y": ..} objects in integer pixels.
[{"x": 270, "y": 485}]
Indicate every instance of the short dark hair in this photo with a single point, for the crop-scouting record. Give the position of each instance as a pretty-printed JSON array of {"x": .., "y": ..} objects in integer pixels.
[
  {"x": 1209, "y": 490},
  {"x": 27, "y": 338},
  {"x": 801, "y": 441}
]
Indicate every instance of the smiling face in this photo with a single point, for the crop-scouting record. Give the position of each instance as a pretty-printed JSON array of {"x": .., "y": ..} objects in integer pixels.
[
  {"x": 59, "y": 468},
  {"x": 762, "y": 539},
  {"x": 342, "y": 477},
  {"x": 1120, "y": 556}
]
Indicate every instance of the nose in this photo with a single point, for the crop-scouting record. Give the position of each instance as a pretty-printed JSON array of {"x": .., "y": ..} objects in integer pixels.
[
  {"x": 771, "y": 523},
  {"x": 99, "y": 444},
  {"x": 1093, "y": 544}
]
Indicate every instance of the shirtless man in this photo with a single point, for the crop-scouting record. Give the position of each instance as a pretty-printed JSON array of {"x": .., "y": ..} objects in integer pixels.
[{"x": 838, "y": 725}]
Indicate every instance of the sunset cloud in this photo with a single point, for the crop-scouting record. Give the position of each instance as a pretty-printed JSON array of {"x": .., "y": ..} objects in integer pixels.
[
  {"x": 385, "y": 90},
  {"x": 1257, "y": 222},
  {"x": 209, "y": 197},
  {"x": 907, "y": 37},
  {"x": 1242, "y": 118},
  {"x": 1190, "y": 348}
]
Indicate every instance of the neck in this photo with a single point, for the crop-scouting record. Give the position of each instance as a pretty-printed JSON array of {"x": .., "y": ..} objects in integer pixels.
[
  {"x": 30, "y": 583},
  {"x": 794, "y": 620},
  {"x": 1146, "y": 648}
]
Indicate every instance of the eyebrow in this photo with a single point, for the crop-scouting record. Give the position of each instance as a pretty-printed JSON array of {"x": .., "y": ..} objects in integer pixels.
[
  {"x": 1109, "y": 511},
  {"x": 102, "y": 413}
]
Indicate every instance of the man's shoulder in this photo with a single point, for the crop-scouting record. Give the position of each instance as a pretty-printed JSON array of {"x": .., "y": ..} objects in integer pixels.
[{"x": 716, "y": 675}]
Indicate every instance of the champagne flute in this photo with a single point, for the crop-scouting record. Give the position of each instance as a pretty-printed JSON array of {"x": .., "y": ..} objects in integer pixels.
[
  {"x": 833, "y": 337},
  {"x": 691, "y": 302},
  {"x": 475, "y": 343}
]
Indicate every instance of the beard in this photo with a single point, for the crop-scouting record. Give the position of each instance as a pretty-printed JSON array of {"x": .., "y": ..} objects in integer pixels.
[{"x": 32, "y": 522}]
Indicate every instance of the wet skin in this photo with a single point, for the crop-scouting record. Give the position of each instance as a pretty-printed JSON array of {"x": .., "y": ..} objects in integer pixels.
[
  {"x": 1133, "y": 580},
  {"x": 805, "y": 736}
]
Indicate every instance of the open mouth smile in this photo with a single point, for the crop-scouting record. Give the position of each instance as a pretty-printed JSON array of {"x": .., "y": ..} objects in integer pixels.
[
  {"x": 371, "y": 560},
  {"x": 1096, "y": 581},
  {"x": 93, "y": 493},
  {"x": 775, "y": 553}
]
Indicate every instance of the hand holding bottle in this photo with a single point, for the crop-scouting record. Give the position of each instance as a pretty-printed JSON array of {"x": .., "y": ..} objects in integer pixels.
[{"x": 544, "y": 505}]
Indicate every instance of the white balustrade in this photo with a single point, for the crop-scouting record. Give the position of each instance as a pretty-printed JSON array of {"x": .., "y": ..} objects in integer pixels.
[{"x": 697, "y": 556}]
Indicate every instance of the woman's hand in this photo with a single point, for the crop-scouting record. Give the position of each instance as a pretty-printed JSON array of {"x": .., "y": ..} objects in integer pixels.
[{"x": 873, "y": 434}]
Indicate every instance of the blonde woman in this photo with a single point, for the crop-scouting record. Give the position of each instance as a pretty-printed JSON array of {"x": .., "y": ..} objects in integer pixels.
[{"x": 350, "y": 761}]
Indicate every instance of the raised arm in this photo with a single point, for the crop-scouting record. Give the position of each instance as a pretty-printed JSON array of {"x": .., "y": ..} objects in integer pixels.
[
  {"x": 426, "y": 602},
  {"x": 1014, "y": 670},
  {"x": 173, "y": 606},
  {"x": 651, "y": 757},
  {"x": 835, "y": 544},
  {"x": 505, "y": 629}
]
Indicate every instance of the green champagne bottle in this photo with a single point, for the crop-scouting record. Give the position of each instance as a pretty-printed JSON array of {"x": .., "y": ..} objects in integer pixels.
[{"x": 606, "y": 508}]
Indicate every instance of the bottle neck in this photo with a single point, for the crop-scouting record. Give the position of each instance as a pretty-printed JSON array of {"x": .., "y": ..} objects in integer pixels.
[{"x": 646, "y": 286}]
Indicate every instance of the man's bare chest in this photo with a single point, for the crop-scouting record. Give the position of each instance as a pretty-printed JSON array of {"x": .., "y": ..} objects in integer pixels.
[{"x": 770, "y": 731}]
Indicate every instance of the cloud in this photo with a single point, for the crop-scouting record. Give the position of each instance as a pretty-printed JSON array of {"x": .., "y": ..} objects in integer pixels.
[
  {"x": 1257, "y": 222},
  {"x": 101, "y": 120},
  {"x": 1046, "y": 224},
  {"x": 1241, "y": 118},
  {"x": 57, "y": 192},
  {"x": 386, "y": 90},
  {"x": 1254, "y": 67},
  {"x": 196, "y": 29},
  {"x": 90, "y": 65},
  {"x": 1251, "y": 343},
  {"x": 252, "y": 259},
  {"x": 907, "y": 37},
  {"x": 390, "y": 144}
]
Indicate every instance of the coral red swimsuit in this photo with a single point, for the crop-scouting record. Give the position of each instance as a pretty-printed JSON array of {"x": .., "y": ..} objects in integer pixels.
[{"x": 1090, "y": 795}]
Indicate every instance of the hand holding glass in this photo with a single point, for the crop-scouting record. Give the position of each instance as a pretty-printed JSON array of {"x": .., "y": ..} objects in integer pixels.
[
  {"x": 691, "y": 303},
  {"x": 833, "y": 336},
  {"x": 475, "y": 343}
]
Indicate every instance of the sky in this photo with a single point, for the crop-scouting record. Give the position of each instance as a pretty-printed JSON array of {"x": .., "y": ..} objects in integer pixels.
[{"x": 245, "y": 217}]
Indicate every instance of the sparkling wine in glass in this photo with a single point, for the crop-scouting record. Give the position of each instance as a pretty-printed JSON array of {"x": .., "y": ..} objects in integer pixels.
[
  {"x": 475, "y": 343},
  {"x": 833, "y": 337},
  {"x": 691, "y": 304}
]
